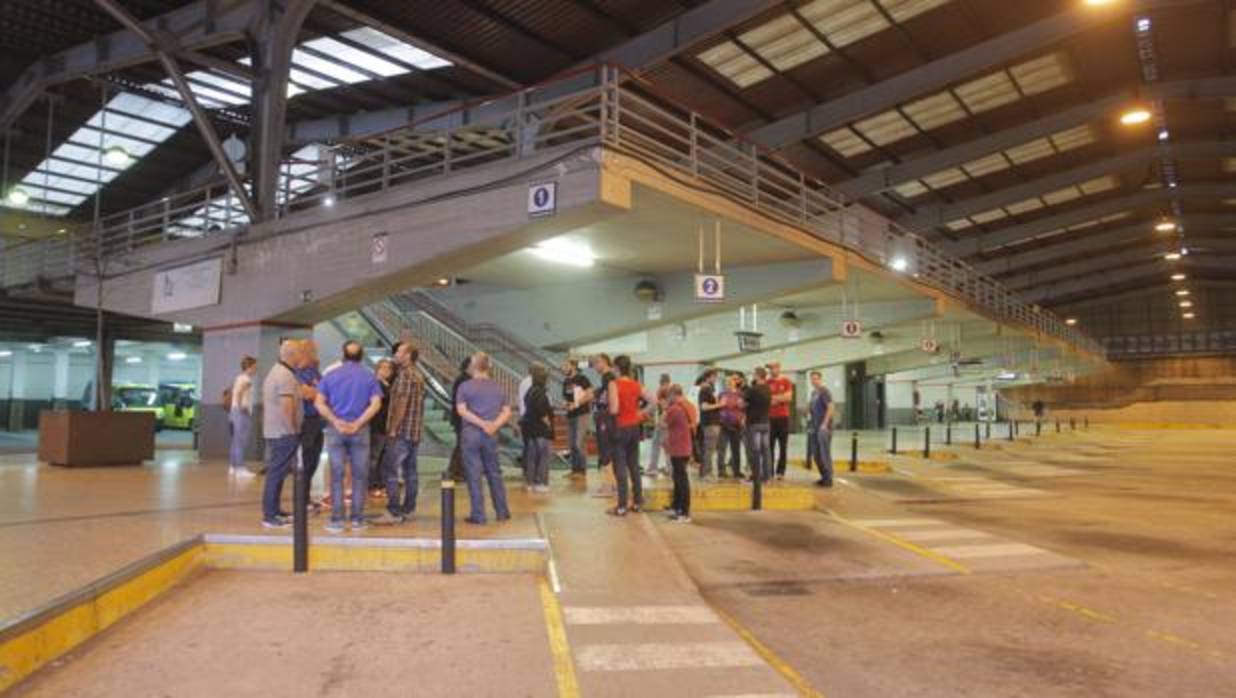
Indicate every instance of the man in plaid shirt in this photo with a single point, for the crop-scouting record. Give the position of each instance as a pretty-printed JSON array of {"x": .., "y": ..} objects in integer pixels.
[{"x": 405, "y": 416}]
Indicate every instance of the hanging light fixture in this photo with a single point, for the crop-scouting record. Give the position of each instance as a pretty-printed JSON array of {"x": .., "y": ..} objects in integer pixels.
[
  {"x": 18, "y": 197},
  {"x": 116, "y": 156}
]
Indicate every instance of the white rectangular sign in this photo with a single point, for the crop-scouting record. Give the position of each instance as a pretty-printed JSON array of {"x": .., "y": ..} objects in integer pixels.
[
  {"x": 851, "y": 329},
  {"x": 543, "y": 199},
  {"x": 381, "y": 248},
  {"x": 192, "y": 286},
  {"x": 709, "y": 288}
]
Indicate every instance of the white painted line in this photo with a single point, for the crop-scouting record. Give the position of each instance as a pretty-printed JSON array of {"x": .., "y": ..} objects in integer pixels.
[
  {"x": 970, "y": 552},
  {"x": 897, "y": 523},
  {"x": 651, "y": 656},
  {"x": 936, "y": 534},
  {"x": 757, "y": 695},
  {"x": 639, "y": 615}
]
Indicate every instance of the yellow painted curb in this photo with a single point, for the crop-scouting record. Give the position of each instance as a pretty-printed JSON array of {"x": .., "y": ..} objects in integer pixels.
[
  {"x": 36, "y": 639},
  {"x": 324, "y": 556},
  {"x": 735, "y": 497},
  {"x": 843, "y": 465}
]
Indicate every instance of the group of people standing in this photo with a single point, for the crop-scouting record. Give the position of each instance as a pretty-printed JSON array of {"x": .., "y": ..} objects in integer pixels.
[{"x": 371, "y": 424}]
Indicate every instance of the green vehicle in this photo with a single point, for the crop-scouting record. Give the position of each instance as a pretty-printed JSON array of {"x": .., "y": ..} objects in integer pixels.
[
  {"x": 179, "y": 401},
  {"x": 138, "y": 398}
]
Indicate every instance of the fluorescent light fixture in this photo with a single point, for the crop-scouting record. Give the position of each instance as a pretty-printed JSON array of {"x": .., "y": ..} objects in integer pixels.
[
  {"x": 1186, "y": 304},
  {"x": 1179, "y": 277},
  {"x": 564, "y": 251},
  {"x": 1164, "y": 135},
  {"x": 1183, "y": 292},
  {"x": 444, "y": 281},
  {"x": 18, "y": 197},
  {"x": 1098, "y": 3},
  {"x": 117, "y": 157},
  {"x": 899, "y": 263},
  {"x": 1071, "y": 321},
  {"x": 36, "y": 348},
  {"x": 1165, "y": 226},
  {"x": 181, "y": 328},
  {"x": 177, "y": 356},
  {"x": 1172, "y": 256},
  {"x": 1007, "y": 376},
  {"x": 1188, "y": 316},
  {"x": 5, "y": 354},
  {"x": 82, "y": 343},
  {"x": 1134, "y": 117},
  {"x": 133, "y": 360},
  {"x": 329, "y": 201},
  {"x": 1143, "y": 24}
]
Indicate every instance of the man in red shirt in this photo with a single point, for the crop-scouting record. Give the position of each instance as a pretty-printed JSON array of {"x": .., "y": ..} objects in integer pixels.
[{"x": 782, "y": 390}]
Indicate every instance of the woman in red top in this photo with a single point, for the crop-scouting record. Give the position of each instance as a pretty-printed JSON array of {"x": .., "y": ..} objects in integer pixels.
[
  {"x": 629, "y": 404},
  {"x": 678, "y": 443}
]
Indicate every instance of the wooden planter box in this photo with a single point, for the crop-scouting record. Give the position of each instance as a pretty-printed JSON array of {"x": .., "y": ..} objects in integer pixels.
[{"x": 74, "y": 438}]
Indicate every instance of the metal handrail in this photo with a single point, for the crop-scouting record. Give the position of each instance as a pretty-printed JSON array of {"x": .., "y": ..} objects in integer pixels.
[{"x": 613, "y": 112}]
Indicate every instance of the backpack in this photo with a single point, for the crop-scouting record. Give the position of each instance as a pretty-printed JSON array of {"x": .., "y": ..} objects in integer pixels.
[{"x": 227, "y": 399}]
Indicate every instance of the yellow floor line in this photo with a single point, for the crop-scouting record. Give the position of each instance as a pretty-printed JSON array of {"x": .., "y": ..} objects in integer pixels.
[
  {"x": 564, "y": 666},
  {"x": 782, "y": 667},
  {"x": 904, "y": 544}
]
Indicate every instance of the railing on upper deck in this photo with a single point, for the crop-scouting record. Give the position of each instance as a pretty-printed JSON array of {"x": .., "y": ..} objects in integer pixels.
[{"x": 601, "y": 106}]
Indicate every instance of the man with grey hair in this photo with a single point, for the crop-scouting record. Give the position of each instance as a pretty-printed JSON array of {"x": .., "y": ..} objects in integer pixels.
[
  {"x": 282, "y": 413},
  {"x": 483, "y": 410}
]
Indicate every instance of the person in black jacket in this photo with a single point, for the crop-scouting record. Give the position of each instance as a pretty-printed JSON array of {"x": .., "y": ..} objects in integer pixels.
[
  {"x": 455, "y": 469},
  {"x": 537, "y": 425}
]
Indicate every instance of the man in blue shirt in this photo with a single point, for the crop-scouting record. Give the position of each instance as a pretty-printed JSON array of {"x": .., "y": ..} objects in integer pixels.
[
  {"x": 311, "y": 428},
  {"x": 348, "y": 397},
  {"x": 483, "y": 411},
  {"x": 820, "y": 430}
]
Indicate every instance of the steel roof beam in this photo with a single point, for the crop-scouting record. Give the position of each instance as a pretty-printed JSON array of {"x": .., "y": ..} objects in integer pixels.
[
  {"x": 1133, "y": 255},
  {"x": 934, "y": 216},
  {"x": 941, "y": 73},
  {"x": 1102, "y": 273},
  {"x": 976, "y": 243},
  {"x": 196, "y": 26},
  {"x": 680, "y": 33},
  {"x": 1092, "y": 243}
]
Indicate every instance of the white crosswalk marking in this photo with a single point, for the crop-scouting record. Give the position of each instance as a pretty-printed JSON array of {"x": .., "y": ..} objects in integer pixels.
[
  {"x": 665, "y": 655},
  {"x": 898, "y": 523},
  {"x": 640, "y": 615},
  {"x": 936, "y": 534},
  {"x": 969, "y": 552}
]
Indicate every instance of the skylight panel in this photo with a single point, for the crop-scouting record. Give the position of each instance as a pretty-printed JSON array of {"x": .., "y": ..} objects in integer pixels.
[
  {"x": 1024, "y": 207},
  {"x": 361, "y": 59},
  {"x": 986, "y": 165},
  {"x": 1098, "y": 185},
  {"x": 935, "y": 111},
  {"x": 1028, "y": 152},
  {"x": 960, "y": 224},
  {"x": 1041, "y": 74},
  {"x": 391, "y": 47},
  {"x": 306, "y": 61},
  {"x": 989, "y": 216},
  {"x": 902, "y": 10},
  {"x": 1061, "y": 196},
  {"x": 845, "y": 142},
  {"x": 988, "y": 92},
  {"x": 887, "y": 127},
  {"x": 851, "y": 21},
  {"x": 911, "y": 189},
  {"x": 728, "y": 59},
  {"x": 784, "y": 42},
  {"x": 945, "y": 178}
]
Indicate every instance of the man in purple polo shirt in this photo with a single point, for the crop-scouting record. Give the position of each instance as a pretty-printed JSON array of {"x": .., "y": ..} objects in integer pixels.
[{"x": 348, "y": 397}]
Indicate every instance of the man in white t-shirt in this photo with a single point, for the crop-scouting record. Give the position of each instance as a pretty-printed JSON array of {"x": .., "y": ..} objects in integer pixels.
[{"x": 240, "y": 415}]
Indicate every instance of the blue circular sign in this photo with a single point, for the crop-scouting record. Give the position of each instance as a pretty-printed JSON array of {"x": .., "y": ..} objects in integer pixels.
[{"x": 711, "y": 287}]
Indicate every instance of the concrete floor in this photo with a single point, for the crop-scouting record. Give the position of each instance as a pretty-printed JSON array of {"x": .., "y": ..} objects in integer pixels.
[{"x": 1098, "y": 563}]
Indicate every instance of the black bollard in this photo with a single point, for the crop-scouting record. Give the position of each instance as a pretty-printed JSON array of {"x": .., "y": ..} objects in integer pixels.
[
  {"x": 1057, "y": 425},
  {"x": 448, "y": 526},
  {"x": 1011, "y": 436},
  {"x": 987, "y": 428},
  {"x": 978, "y": 440},
  {"x": 894, "y": 449},
  {"x": 1086, "y": 423},
  {"x": 926, "y": 442},
  {"x": 1072, "y": 424},
  {"x": 300, "y": 518},
  {"x": 757, "y": 492},
  {"x": 948, "y": 434},
  {"x": 1038, "y": 428},
  {"x": 854, "y": 452}
]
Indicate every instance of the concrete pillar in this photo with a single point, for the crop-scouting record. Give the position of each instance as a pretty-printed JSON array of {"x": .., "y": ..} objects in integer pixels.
[
  {"x": 153, "y": 361},
  {"x": 222, "y": 350},
  {"x": 60, "y": 380}
]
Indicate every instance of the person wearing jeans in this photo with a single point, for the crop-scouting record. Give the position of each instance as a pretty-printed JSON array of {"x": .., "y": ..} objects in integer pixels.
[
  {"x": 281, "y": 418},
  {"x": 733, "y": 421},
  {"x": 658, "y": 430},
  {"x": 537, "y": 424},
  {"x": 758, "y": 399},
  {"x": 404, "y": 424},
  {"x": 240, "y": 414},
  {"x": 625, "y": 398},
  {"x": 575, "y": 396},
  {"x": 782, "y": 390},
  {"x": 678, "y": 442},
  {"x": 348, "y": 398},
  {"x": 311, "y": 429},
  {"x": 483, "y": 410},
  {"x": 710, "y": 424},
  {"x": 820, "y": 430}
]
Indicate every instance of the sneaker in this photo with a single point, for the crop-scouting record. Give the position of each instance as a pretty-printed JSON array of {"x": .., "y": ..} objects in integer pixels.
[
  {"x": 616, "y": 511},
  {"x": 477, "y": 522},
  {"x": 388, "y": 519},
  {"x": 504, "y": 517},
  {"x": 359, "y": 525},
  {"x": 241, "y": 472},
  {"x": 275, "y": 523},
  {"x": 334, "y": 527},
  {"x": 823, "y": 483},
  {"x": 682, "y": 519},
  {"x": 672, "y": 514},
  {"x": 542, "y": 489}
]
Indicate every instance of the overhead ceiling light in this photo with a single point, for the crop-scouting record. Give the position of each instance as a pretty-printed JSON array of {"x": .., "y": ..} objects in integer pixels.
[
  {"x": 1134, "y": 117},
  {"x": 1164, "y": 135},
  {"x": 328, "y": 201},
  {"x": 5, "y": 354},
  {"x": 899, "y": 263},
  {"x": 1143, "y": 24},
  {"x": 1179, "y": 277},
  {"x": 18, "y": 197},
  {"x": 81, "y": 343},
  {"x": 1186, "y": 304},
  {"x": 116, "y": 156},
  {"x": 1098, "y": 3},
  {"x": 177, "y": 356},
  {"x": 1165, "y": 226},
  {"x": 564, "y": 251},
  {"x": 1172, "y": 256},
  {"x": 1071, "y": 321},
  {"x": 133, "y": 360},
  {"x": 444, "y": 281},
  {"x": 1183, "y": 292},
  {"x": 1188, "y": 316}
]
